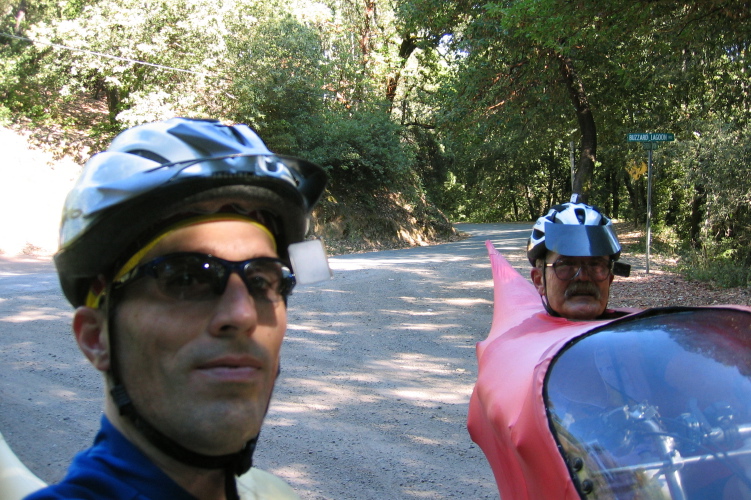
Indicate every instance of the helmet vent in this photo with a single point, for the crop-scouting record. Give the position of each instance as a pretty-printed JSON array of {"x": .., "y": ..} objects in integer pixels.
[
  {"x": 272, "y": 166},
  {"x": 237, "y": 135},
  {"x": 581, "y": 215},
  {"x": 149, "y": 155}
]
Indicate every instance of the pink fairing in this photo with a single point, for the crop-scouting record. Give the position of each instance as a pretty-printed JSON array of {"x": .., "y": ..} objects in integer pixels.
[{"x": 507, "y": 417}]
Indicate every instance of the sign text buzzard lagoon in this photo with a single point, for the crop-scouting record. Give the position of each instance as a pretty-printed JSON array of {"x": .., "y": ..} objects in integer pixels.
[{"x": 650, "y": 137}]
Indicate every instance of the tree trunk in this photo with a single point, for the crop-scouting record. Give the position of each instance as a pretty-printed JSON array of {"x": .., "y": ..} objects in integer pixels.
[
  {"x": 530, "y": 203},
  {"x": 697, "y": 215},
  {"x": 366, "y": 33},
  {"x": 113, "y": 102},
  {"x": 365, "y": 39},
  {"x": 405, "y": 50},
  {"x": 20, "y": 17},
  {"x": 614, "y": 193},
  {"x": 583, "y": 175}
]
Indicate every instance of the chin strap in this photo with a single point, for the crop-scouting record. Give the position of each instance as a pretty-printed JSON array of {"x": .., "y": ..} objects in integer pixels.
[
  {"x": 234, "y": 464},
  {"x": 545, "y": 303}
]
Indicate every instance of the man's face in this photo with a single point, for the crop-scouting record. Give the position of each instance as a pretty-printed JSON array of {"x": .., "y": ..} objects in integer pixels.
[
  {"x": 202, "y": 372},
  {"x": 580, "y": 298}
]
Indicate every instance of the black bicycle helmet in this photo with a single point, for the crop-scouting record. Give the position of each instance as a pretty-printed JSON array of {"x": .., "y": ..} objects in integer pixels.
[
  {"x": 573, "y": 229},
  {"x": 154, "y": 174}
]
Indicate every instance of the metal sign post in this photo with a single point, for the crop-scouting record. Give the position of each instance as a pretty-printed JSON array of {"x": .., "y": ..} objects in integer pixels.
[
  {"x": 649, "y": 197},
  {"x": 649, "y": 141}
]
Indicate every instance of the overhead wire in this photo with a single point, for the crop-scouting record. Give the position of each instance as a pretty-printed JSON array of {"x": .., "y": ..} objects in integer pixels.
[
  {"x": 125, "y": 59},
  {"x": 108, "y": 56}
]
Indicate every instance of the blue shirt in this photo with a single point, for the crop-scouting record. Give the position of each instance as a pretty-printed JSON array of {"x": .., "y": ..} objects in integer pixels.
[{"x": 113, "y": 469}]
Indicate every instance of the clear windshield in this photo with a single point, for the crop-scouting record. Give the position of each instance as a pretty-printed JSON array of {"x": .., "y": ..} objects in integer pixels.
[{"x": 658, "y": 407}]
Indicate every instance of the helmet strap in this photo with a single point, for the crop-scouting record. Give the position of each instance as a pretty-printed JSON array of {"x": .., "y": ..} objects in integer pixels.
[
  {"x": 543, "y": 298},
  {"x": 234, "y": 464}
]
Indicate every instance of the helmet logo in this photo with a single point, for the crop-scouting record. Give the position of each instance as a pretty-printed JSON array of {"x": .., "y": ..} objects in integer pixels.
[{"x": 73, "y": 214}]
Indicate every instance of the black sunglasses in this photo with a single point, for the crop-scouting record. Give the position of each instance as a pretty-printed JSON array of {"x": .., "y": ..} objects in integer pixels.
[{"x": 197, "y": 276}]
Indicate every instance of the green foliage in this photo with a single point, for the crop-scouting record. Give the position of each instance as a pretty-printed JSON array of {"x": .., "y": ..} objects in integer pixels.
[
  {"x": 433, "y": 166},
  {"x": 470, "y": 106},
  {"x": 362, "y": 150},
  {"x": 640, "y": 66},
  {"x": 717, "y": 265},
  {"x": 276, "y": 78},
  {"x": 94, "y": 53},
  {"x": 22, "y": 89},
  {"x": 6, "y": 116}
]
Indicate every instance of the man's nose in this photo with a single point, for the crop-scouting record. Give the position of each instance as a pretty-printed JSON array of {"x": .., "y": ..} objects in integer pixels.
[
  {"x": 582, "y": 274},
  {"x": 235, "y": 312}
]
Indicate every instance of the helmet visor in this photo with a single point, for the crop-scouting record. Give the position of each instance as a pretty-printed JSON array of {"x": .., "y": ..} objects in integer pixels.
[{"x": 581, "y": 240}]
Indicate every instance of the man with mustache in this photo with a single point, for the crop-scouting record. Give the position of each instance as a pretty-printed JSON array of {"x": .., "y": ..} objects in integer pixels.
[
  {"x": 574, "y": 250},
  {"x": 176, "y": 248}
]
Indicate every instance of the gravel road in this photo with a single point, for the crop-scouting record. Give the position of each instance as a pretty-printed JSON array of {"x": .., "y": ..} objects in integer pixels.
[{"x": 377, "y": 369}]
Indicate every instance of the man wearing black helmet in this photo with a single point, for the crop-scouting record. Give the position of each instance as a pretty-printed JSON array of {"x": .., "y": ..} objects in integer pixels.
[
  {"x": 176, "y": 247},
  {"x": 574, "y": 250}
]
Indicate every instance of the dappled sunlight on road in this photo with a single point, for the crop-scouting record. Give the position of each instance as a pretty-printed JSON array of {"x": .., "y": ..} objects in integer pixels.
[
  {"x": 309, "y": 329},
  {"x": 432, "y": 396},
  {"x": 361, "y": 263},
  {"x": 37, "y": 314},
  {"x": 381, "y": 361},
  {"x": 470, "y": 302}
]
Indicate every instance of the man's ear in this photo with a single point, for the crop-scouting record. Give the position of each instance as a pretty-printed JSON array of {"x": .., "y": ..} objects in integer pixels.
[
  {"x": 90, "y": 329},
  {"x": 536, "y": 275}
]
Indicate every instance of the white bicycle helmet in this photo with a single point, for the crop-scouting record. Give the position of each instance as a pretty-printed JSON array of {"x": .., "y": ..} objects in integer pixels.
[
  {"x": 573, "y": 229},
  {"x": 151, "y": 177},
  {"x": 151, "y": 173}
]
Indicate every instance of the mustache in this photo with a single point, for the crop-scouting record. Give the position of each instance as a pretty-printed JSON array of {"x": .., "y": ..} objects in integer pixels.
[{"x": 582, "y": 288}]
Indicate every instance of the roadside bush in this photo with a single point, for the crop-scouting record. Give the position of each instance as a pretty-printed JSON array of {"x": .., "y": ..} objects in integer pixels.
[
  {"x": 362, "y": 150},
  {"x": 717, "y": 265},
  {"x": 6, "y": 116}
]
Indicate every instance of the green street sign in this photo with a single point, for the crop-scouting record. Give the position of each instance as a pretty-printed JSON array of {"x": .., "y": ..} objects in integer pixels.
[
  {"x": 661, "y": 137},
  {"x": 650, "y": 137},
  {"x": 650, "y": 146}
]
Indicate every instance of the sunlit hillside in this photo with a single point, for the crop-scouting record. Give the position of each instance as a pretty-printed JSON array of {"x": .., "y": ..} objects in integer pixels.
[{"x": 32, "y": 190}]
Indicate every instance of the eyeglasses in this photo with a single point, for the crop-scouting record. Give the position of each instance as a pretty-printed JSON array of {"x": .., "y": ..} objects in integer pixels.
[
  {"x": 567, "y": 270},
  {"x": 199, "y": 277}
]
